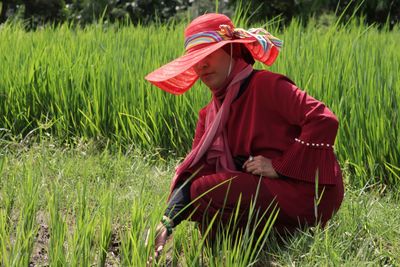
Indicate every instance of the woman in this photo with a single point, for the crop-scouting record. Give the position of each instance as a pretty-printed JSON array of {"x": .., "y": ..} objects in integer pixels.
[{"x": 258, "y": 124}]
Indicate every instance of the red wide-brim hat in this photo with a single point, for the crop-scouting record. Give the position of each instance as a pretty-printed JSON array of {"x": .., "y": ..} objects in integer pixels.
[{"x": 203, "y": 36}]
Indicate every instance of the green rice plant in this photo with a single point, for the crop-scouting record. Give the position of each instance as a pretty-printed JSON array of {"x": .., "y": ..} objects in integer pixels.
[
  {"x": 7, "y": 200},
  {"x": 81, "y": 241},
  {"x": 21, "y": 244},
  {"x": 136, "y": 243},
  {"x": 245, "y": 247},
  {"x": 7, "y": 192},
  {"x": 105, "y": 227},
  {"x": 4, "y": 236},
  {"x": 58, "y": 228}
]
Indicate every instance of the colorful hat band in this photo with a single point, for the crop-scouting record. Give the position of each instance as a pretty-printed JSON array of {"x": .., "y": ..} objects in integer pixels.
[
  {"x": 226, "y": 32},
  {"x": 204, "y": 38}
]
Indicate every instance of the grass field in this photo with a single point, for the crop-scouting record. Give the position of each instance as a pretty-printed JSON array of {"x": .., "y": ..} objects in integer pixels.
[
  {"x": 79, "y": 207},
  {"x": 88, "y": 147}
]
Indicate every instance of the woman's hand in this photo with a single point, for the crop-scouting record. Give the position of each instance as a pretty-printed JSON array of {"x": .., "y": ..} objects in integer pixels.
[
  {"x": 260, "y": 165},
  {"x": 161, "y": 239}
]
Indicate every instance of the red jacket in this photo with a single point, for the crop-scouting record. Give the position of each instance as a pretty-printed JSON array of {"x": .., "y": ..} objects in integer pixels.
[{"x": 277, "y": 120}]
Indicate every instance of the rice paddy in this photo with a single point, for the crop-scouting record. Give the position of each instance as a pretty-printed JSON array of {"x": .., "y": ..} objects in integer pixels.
[{"x": 88, "y": 147}]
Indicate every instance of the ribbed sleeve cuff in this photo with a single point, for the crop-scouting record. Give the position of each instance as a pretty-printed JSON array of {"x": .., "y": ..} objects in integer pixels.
[{"x": 302, "y": 162}]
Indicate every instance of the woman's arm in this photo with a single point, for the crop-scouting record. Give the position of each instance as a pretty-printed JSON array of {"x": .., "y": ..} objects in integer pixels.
[
  {"x": 318, "y": 124},
  {"x": 312, "y": 151}
]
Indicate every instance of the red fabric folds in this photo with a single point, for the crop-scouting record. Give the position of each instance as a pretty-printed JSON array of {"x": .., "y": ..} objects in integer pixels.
[
  {"x": 303, "y": 163},
  {"x": 295, "y": 199}
]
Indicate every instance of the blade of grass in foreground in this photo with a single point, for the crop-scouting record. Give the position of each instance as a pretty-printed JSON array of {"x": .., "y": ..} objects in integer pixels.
[
  {"x": 81, "y": 241},
  {"x": 105, "y": 228},
  {"x": 58, "y": 228}
]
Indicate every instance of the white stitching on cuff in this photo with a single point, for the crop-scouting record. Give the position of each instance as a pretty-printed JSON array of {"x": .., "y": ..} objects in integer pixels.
[{"x": 313, "y": 144}]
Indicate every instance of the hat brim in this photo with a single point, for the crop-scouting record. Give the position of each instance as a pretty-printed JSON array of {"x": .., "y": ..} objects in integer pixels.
[{"x": 177, "y": 76}]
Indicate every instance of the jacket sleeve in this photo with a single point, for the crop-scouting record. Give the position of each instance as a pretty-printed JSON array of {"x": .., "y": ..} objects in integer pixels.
[{"x": 311, "y": 154}]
